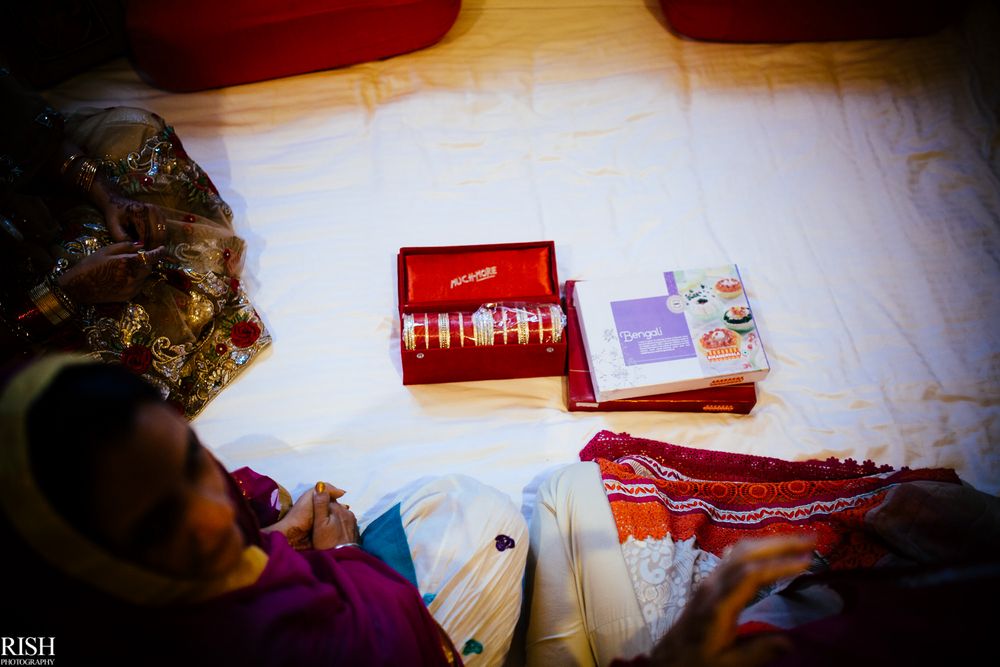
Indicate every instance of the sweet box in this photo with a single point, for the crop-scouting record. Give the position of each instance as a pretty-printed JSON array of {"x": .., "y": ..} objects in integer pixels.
[
  {"x": 738, "y": 398},
  {"x": 480, "y": 312},
  {"x": 667, "y": 331}
]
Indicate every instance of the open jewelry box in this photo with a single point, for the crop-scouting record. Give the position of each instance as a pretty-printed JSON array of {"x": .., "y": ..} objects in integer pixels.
[{"x": 517, "y": 331}]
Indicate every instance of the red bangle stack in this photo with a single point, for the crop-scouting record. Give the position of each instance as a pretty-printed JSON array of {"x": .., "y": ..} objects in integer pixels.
[{"x": 492, "y": 324}]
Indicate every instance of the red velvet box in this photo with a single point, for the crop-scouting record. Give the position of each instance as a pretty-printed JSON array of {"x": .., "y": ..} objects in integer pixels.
[
  {"x": 738, "y": 398},
  {"x": 463, "y": 278}
]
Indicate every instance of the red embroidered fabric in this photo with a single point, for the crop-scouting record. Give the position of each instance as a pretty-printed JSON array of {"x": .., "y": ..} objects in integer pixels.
[{"x": 657, "y": 490}]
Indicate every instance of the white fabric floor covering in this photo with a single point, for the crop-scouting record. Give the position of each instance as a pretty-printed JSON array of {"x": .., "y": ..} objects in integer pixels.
[{"x": 857, "y": 185}]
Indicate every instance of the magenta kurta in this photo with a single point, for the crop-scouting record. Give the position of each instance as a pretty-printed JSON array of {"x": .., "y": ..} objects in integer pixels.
[{"x": 335, "y": 607}]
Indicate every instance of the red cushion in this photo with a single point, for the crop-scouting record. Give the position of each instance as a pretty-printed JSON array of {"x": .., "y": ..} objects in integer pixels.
[
  {"x": 806, "y": 20},
  {"x": 186, "y": 45}
]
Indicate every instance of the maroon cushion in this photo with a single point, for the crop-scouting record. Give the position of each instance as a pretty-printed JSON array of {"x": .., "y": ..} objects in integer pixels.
[
  {"x": 807, "y": 20},
  {"x": 186, "y": 45}
]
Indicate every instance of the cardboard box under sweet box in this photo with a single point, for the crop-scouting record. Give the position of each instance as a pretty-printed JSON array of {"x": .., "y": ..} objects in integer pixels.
[
  {"x": 738, "y": 399},
  {"x": 445, "y": 279}
]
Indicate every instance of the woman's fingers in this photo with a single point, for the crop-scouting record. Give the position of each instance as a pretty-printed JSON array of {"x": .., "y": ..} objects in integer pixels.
[
  {"x": 155, "y": 255},
  {"x": 303, "y": 501},
  {"x": 321, "y": 507},
  {"x": 763, "y": 561},
  {"x": 348, "y": 521},
  {"x": 140, "y": 221},
  {"x": 157, "y": 226},
  {"x": 326, "y": 487},
  {"x": 750, "y": 566},
  {"x": 115, "y": 226},
  {"x": 119, "y": 248}
]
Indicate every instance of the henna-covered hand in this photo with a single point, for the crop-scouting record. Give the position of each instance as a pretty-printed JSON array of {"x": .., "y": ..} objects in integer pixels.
[
  {"x": 333, "y": 523},
  {"x": 705, "y": 633},
  {"x": 131, "y": 220},
  {"x": 297, "y": 524},
  {"x": 112, "y": 274}
]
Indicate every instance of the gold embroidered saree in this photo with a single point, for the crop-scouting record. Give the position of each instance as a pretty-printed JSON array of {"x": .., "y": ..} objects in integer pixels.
[{"x": 191, "y": 330}]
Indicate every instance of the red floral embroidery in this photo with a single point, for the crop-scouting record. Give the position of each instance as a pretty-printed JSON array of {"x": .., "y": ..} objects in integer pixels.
[
  {"x": 234, "y": 284},
  {"x": 221, "y": 348},
  {"x": 244, "y": 334},
  {"x": 137, "y": 358},
  {"x": 227, "y": 253}
]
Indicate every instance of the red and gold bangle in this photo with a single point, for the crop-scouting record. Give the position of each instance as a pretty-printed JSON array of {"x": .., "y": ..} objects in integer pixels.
[
  {"x": 493, "y": 324},
  {"x": 482, "y": 326},
  {"x": 444, "y": 331},
  {"x": 409, "y": 341},
  {"x": 557, "y": 321}
]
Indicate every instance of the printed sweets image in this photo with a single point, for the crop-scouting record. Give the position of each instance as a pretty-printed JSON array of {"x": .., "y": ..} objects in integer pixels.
[{"x": 669, "y": 331}]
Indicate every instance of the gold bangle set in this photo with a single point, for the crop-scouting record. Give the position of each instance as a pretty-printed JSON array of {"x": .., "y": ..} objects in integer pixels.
[
  {"x": 86, "y": 172},
  {"x": 48, "y": 304}
]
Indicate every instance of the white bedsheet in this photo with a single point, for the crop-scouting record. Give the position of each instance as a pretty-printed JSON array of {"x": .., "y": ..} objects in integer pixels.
[{"x": 856, "y": 184}]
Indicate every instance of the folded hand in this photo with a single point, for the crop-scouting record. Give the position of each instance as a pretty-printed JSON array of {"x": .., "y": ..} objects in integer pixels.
[
  {"x": 130, "y": 220},
  {"x": 333, "y": 523}
]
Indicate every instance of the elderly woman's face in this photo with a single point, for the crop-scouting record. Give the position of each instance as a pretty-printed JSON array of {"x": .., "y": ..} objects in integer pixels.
[{"x": 162, "y": 501}]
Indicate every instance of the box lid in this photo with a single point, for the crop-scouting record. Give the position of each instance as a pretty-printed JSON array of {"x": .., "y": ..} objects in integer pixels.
[{"x": 438, "y": 278}]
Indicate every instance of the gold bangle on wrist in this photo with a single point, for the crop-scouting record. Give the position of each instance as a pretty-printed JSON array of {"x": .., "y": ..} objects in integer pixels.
[
  {"x": 69, "y": 162},
  {"x": 86, "y": 173},
  {"x": 48, "y": 304},
  {"x": 56, "y": 290}
]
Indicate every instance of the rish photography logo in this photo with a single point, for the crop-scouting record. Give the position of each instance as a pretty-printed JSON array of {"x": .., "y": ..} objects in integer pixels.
[{"x": 27, "y": 650}]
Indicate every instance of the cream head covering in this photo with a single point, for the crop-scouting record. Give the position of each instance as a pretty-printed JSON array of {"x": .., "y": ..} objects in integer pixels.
[{"x": 55, "y": 540}]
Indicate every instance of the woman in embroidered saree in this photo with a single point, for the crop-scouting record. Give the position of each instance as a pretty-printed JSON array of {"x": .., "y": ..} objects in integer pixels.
[
  {"x": 115, "y": 243},
  {"x": 127, "y": 542},
  {"x": 625, "y": 543}
]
